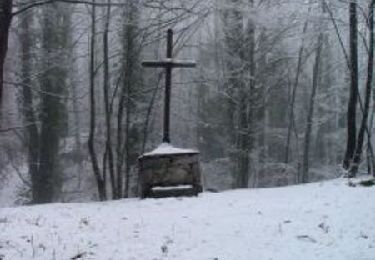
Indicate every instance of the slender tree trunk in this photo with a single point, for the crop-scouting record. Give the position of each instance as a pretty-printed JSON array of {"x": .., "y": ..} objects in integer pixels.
[
  {"x": 127, "y": 146},
  {"x": 353, "y": 98},
  {"x": 108, "y": 112},
  {"x": 243, "y": 143},
  {"x": 100, "y": 180},
  {"x": 128, "y": 92},
  {"x": 310, "y": 114},
  {"x": 5, "y": 21},
  {"x": 120, "y": 141},
  {"x": 291, "y": 124},
  {"x": 122, "y": 138},
  {"x": 370, "y": 68}
]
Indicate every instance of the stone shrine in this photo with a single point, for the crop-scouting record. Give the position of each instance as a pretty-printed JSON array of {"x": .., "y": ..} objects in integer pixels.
[{"x": 168, "y": 171}]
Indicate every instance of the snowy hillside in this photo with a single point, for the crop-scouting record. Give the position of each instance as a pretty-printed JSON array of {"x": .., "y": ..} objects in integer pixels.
[{"x": 317, "y": 221}]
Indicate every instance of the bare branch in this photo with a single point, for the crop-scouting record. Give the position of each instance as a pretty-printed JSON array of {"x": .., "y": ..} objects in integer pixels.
[{"x": 24, "y": 7}]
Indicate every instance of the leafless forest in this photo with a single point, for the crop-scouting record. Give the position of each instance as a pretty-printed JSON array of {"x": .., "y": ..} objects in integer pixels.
[{"x": 282, "y": 93}]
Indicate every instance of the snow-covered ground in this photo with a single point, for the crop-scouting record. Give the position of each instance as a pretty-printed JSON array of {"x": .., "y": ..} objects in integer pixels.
[{"x": 316, "y": 221}]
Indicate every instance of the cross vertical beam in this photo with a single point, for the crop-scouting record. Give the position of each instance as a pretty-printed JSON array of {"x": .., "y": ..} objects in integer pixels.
[
  {"x": 169, "y": 63},
  {"x": 168, "y": 85}
]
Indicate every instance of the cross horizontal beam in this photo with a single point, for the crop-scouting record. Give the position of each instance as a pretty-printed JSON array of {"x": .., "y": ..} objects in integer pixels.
[{"x": 169, "y": 63}]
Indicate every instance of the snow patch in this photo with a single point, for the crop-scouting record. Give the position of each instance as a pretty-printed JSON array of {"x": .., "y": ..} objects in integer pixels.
[
  {"x": 166, "y": 148},
  {"x": 178, "y": 187}
]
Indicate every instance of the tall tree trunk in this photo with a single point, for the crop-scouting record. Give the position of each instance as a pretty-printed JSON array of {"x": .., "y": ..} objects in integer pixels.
[
  {"x": 248, "y": 105},
  {"x": 127, "y": 145},
  {"x": 128, "y": 85},
  {"x": 31, "y": 131},
  {"x": 53, "y": 107},
  {"x": 107, "y": 106},
  {"x": 100, "y": 180},
  {"x": 370, "y": 69},
  {"x": 123, "y": 135},
  {"x": 291, "y": 124},
  {"x": 120, "y": 137},
  {"x": 353, "y": 98},
  {"x": 310, "y": 114},
  {"x": 237, "y": 105},
  {"x": 5, "y": 21},
  {"x": 133, "y": 88}
]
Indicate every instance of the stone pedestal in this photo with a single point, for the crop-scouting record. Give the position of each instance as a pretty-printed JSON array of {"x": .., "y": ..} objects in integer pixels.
[{"x": 169, "y": 174}]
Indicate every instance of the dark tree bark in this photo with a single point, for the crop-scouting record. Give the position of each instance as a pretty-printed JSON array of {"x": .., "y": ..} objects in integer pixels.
[
  {"x": 131, "y": 54},
  {"x": 100, "y": 180},
  {"x": 107, "y": 106},
  {"x": 370, "y": 68},
  {"x": 52, "y": 104},
  {"x": 5, "y": 21},
  {"x": 353, "y": 97}
]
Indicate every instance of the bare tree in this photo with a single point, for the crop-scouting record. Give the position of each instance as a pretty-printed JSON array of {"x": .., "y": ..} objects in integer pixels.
[
  {"x": 370, "y": 68},
  {"x": 353, "y": 97},
  {"x": 100, "y": 179}
]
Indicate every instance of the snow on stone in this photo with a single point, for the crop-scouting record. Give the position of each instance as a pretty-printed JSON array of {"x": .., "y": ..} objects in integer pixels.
[
  {"x": 166, "y": 148},
  {"x": 328, "y": 220},
  {"x": 178, "y": 187}
]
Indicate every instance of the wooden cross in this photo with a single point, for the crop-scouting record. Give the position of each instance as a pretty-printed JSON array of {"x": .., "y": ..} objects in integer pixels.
[{"x": 169, "y": 63}]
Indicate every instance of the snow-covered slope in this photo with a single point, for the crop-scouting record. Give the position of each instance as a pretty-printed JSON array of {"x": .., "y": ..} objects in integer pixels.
[{"x": 317, "y": 221}]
